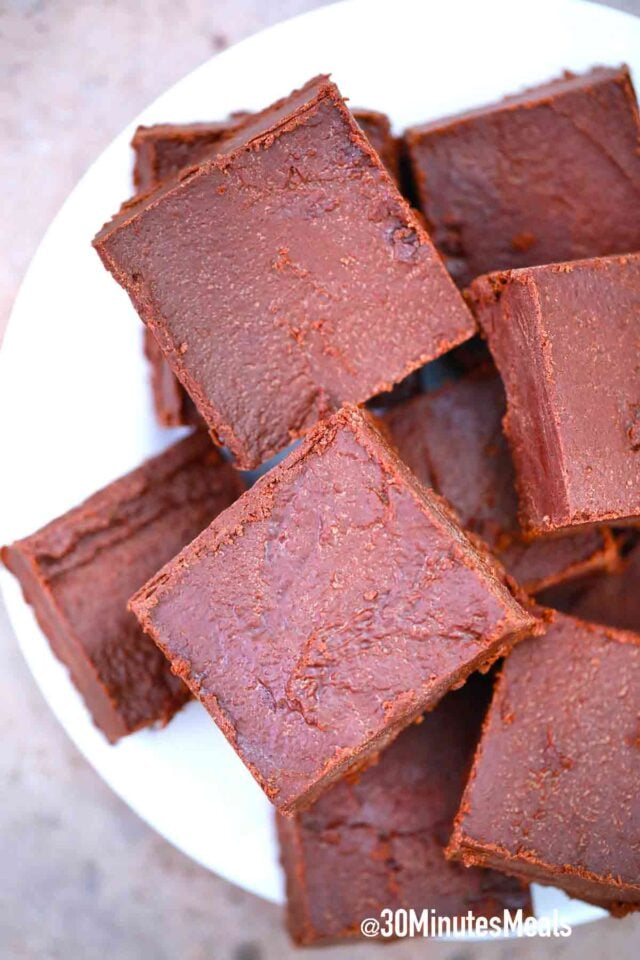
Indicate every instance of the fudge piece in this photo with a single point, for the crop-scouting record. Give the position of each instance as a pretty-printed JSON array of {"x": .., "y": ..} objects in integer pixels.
[
  {"x": 453, "y": 441},
  {"x": 565, "y": 340},
  {"x": 553, "y": 793},
  {"x": 173, "y": 405},
  {"x": 285, "y": 275},
  {"x": 328, "y": 608},
  {"x": 79, "y": 571},
  {"x": 549, "y": 174},
  {"x": 378, "y": 840},
  {"x": 164, "y": 150},
  {"x": 613, "y": 600}
]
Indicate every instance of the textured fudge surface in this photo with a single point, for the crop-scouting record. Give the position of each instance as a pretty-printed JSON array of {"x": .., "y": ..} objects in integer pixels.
[
  {"x": 378, "y": 840},
  {"x": 553, "y": 794},
  {"x": 286, "y": 275},
  {"x": 555, "y": 172},
  {"x": 327, "y": 609},
  {"x": 79, "y": 571},
  {"x": 565, "y": 338},
  {"x": 453, "y": 441},
  {"x": 162, "y": 151}
]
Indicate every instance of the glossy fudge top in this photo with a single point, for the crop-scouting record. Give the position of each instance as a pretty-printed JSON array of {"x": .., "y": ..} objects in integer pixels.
[
  {"x": 554, "y": 170},
  {"x": 378, "y": 840},
  {"x": 452, "y": 439},
  {"x": 325, "y": 610},
  {"x": 553, "y": 794},
  {"x": 565, "y": 339},
  {"x": 79, "y": 572},
  {"x": 286, "y": 275}
]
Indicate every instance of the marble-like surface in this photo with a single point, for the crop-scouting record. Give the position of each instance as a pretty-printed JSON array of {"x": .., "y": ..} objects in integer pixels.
[{"x": 81, "y": 877}]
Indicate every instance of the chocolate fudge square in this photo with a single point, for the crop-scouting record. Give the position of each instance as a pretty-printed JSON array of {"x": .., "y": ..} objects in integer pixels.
[
  {"x": 285, "y": 276},
  {"x": 79, "y": 571},
  {"x": 164, "y": 150},
  {"x": 453, "y": 441},
  {"x": 377, "y": 840},
  {"x": 565, "y": 339},
  {"x": 547, "y": 175},
  {"x": 328, "y": 608},
  {"x": 553, "y": 794}
]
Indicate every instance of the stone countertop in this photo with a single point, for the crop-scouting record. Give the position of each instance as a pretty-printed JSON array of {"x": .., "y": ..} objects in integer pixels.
[{"x": 81, "y": 877}]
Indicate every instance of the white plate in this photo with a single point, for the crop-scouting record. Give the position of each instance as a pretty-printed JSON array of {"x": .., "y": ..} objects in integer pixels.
[{"x": 73, "y": 384}]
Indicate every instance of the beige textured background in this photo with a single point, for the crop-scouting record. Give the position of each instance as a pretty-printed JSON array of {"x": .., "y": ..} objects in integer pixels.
[{"x": 81, "y": 877}]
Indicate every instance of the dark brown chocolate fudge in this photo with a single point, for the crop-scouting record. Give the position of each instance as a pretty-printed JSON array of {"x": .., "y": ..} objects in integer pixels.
[
  {"x": 553, "y": 794},
  {"x": 377, "y": 840},
  {"x": 286, "y": 275},
  {"x": 79, "y": 571},
  {"x": 328, "y": 608},
  {"x": 453, "y": 441},
  {"x": 550, "y": 174},
  {"x": 565, "y": 340},
  {"x": 614, "y": 600},
  {"x": 164, "y": 150}
]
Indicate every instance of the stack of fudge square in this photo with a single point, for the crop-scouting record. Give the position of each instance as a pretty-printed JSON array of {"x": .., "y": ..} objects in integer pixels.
[{"x": 437, "y": 337}]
